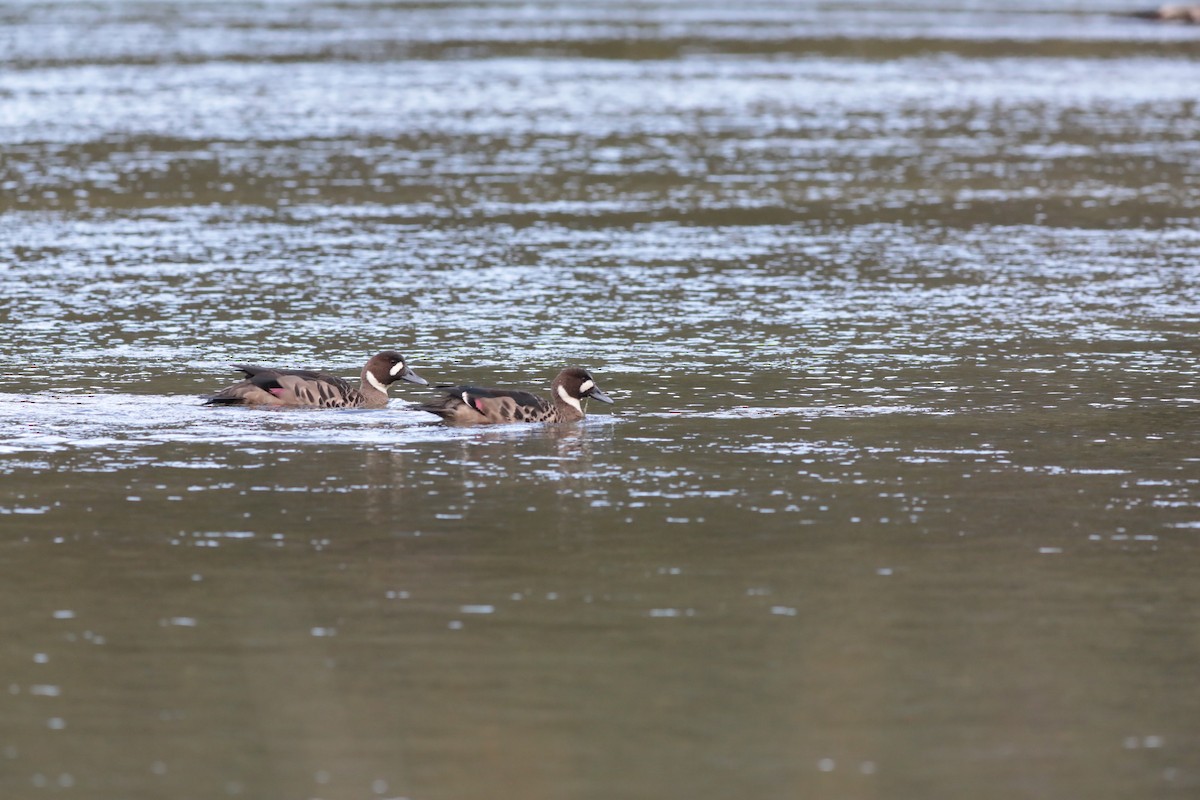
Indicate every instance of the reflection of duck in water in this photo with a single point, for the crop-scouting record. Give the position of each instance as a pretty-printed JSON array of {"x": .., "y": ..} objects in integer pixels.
[
  {"x": 301, "y": 388},
  {"x": 473, "y": 405},
  {"x": 1172, "y": 13}
]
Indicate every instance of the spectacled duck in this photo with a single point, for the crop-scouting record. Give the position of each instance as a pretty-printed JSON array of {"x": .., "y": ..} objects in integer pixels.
[
  {"x": 300, "y": 388},
  {"x": 473, "y": 405},
  {"x": 1185, "y": 13}
]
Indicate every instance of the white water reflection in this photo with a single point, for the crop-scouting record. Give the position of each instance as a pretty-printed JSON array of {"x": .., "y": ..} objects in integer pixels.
[{"x": 54, "y": 423}]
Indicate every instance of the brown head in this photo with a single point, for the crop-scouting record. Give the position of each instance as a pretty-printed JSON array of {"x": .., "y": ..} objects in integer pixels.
[
  {"x": 574, "y": 385},
  {"x": 388, "y": 367}
]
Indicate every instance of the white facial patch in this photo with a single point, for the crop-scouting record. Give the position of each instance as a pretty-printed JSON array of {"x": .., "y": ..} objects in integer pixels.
[
  {"x": 371, "y": 379},
  {"x": 587, "y": 386},
  {"x": 571, "y": 401},
  {"x": 396, "y": 370}
]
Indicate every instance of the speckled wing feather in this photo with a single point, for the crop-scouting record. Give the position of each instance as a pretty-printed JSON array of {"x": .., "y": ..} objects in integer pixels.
[
  {"x": 323, "y": 391},
  {"x": 473, "y": 405},
  {"x": 289, "y": 387}
]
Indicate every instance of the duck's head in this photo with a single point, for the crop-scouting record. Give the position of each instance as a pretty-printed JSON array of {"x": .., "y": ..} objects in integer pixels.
[
  {"x": 575, "y": 384},
  {"x": 388, "y": 367}
]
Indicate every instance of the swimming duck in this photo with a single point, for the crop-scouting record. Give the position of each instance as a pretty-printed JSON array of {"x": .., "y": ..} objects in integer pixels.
[
  {"x": 265, "y": 386},
  {"x": 1172, "y": 13},
  {"x": 472, "y": 405}
]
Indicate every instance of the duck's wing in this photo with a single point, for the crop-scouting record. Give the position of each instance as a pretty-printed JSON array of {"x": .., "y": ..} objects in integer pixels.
[
  {"x": 243, "y": 393},
  {"x": 288, "y": 387},
  {"x": 475, "y": 405},
  {"x": 300, "y": 388}
]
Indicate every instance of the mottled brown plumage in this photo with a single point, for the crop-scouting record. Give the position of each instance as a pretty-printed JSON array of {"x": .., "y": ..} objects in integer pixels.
[
  {"x": 300, "y": 388},
  {"x": 474, "y": 405}
]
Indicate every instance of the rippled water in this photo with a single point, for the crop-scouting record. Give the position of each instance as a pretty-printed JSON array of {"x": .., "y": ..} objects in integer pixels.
[{"x": 898, "y": 303}]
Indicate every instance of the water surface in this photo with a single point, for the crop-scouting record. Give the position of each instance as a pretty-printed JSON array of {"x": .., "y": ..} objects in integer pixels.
[{"x": 899, "y": 304}]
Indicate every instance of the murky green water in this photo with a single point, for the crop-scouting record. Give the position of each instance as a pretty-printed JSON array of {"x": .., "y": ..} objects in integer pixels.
[{"x": 899, "y": 303}]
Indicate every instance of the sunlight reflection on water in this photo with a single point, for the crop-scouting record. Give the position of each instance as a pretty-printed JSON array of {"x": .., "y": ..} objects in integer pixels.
[{"x": 897, "y": 303}]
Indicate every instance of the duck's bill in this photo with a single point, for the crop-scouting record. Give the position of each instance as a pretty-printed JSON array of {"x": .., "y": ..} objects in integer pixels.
[
  {"x": 596, "y": 394},
  {"x": 412, "y": 377}
]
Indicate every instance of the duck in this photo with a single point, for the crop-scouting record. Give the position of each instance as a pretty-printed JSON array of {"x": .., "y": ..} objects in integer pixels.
[
  {"x": 1172, "y": 13},
  {"x": 300, "y": 388},
  {"x": 474, "y": 405}
]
